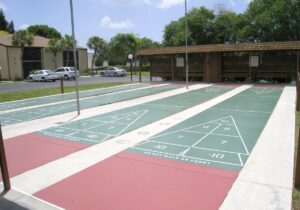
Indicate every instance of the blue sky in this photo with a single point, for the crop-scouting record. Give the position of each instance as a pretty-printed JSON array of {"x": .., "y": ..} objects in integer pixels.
[{"x": 106, "y": 18}]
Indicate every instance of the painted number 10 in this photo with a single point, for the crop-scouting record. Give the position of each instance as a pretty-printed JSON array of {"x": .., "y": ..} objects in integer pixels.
[{"x": 217, "y": 156}]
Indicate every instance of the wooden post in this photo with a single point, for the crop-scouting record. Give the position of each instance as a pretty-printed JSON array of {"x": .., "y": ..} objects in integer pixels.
[
  {"x": 3, "y": 163},
  {"x": 298, "y": 65},
  {"x": 297, "y": 169},
  {"x": 62, "y": 85},
  {"x": 150, "y": 59},
  {"x": 140, "y": 72},
  {"x": 208, "y": 68},
  {"x": 297, "y": 95},
  {"x": 172, "y": 67}
]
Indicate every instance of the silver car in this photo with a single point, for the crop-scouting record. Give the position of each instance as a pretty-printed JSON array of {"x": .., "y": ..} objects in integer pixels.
[
  {"x": 66, "y": 72},
  {"x": 44, "y": 75},
  {"x": 113, "y": 72}
]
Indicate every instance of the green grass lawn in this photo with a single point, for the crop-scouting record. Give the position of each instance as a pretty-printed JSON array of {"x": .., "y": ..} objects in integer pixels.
[
  {"x": 6, "y": 83},
  {"x": 18, "y": 95},
  {"x": 146, "y": 73}
]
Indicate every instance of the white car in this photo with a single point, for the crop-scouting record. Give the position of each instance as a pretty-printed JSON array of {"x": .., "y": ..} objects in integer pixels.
[
  {"x": 43, "y": 75},
  {"x": 66, "y": 72},
  {"x": 114, "y": 72}
]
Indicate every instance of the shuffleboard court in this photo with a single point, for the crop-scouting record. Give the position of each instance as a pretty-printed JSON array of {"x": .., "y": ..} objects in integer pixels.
[
  {"x": 97, "y": 129},
  {"x": 64, "y": 97},
  {"x": 46, "y": 111},
  {"x": 100, "y": 128},
  {"x": 189, "y": 166},
  {"x": 222, "y": 136}
]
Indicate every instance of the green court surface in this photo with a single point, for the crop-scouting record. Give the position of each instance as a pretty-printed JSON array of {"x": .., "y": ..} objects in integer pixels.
[
  {"x": 106, "y": 126},
  {"x": 64, "y": 97},
  {"x": 222, "y": 136},
  {"x": 46, "y": 111}
]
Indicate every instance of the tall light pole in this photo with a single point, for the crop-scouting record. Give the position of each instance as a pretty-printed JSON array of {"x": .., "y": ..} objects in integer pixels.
[
  {"x": 186, "y": 49},
  {"x": 75, "y": 58}
]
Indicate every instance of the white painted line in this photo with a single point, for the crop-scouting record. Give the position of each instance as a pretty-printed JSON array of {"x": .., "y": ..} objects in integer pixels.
[
  {"x": 130, "y": 124},
  {"x": 206, "y": 135},
  {"x": 245, "y": 147},
  {"x": 64, "y": 94},
  {"x": 50, "y": 173},
  {"x": 242, "y": 110},
  {"x": 40, "y": 124},
  {"x": 29, "y": 108},
  {"x": 266, "y": 181}
]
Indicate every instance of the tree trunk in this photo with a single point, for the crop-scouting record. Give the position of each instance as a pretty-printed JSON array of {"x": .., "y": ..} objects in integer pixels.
[
  {"x": 68, "y": 53},
  {"x": 55, "y": 60}
]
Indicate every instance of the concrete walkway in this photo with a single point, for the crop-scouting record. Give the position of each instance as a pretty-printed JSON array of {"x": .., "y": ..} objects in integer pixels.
[{"x": 266, "y": 181}]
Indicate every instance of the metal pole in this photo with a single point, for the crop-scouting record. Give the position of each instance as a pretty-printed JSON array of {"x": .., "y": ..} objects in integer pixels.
[
  {"x": 3, "y": 163},
  {"x": 75, "y": 57},
  {"x": 131, "y": 69},
  {"x": 186, "y": 49}
]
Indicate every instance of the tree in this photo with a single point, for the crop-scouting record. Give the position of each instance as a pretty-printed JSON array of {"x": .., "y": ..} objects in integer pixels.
[
  {"x": 68, "y": 45},
  {"x": 11, "y": 27},
  {"x": 98, "y": 45},
  {"x": 226, "y": 27},
  {"x": 3, "y": 21},
  {"x": 263, "y": 21},
  {"x": 21, "y": 39},
  {"x": 200, "y": 28},
  {"x": 44, "y": 31},
  {"x": 146, "y": 43},
  {"x": 272, "y": 20},
  {"x": 55, "y": 46},
  {"x": 121, "y": 45}
]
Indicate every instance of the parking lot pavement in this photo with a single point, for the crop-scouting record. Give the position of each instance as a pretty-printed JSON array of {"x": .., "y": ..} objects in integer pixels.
[{"x": 29, "y": 85}]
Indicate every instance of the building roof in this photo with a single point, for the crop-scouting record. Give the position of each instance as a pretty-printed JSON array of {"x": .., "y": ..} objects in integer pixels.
[
  {"x": 38, "y": 41},
  {"x": 244, "y": 47}
]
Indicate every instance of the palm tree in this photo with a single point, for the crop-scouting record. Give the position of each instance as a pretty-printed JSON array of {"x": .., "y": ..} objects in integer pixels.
[
  {"x": 121, "y": 45},
  {"x": 21, "y": 39},
  {"x": 55, "y": 46},
  {"x": 68, "y": 45},
  {"x": 98, "y": 45}
]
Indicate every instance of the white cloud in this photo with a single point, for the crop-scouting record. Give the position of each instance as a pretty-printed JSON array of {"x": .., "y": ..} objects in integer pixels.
[
  {"x": 165, "y": 4},
  {"x": 24, "y": 26},
  {"x": 106, "y": 22},
  {"x": 123, "y": 1}
]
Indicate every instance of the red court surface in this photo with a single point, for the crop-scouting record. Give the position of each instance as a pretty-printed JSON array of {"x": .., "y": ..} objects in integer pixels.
[
  {"x": 29, "y": 151},
  {"x": 135, "y": 182}
]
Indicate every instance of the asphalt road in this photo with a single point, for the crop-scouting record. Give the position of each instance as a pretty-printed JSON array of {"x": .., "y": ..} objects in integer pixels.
[{"x": 30, "y": 85}]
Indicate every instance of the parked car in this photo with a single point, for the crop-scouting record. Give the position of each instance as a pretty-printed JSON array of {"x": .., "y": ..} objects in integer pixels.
[
  {"x": 43, "y": 75},
  {"x": 113, "y": 71},
  {"x": 66, "y": 72}
]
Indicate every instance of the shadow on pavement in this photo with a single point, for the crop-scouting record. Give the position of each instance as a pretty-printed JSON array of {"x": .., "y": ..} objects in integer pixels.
[{"x": 9, "y": 205}]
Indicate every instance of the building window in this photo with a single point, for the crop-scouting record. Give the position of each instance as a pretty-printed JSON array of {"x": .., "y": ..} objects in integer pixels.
[
  {"x": 32, "y": 54},
  {"x": 32, "y": 60},
  {"x": 70, "y": 61}
]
